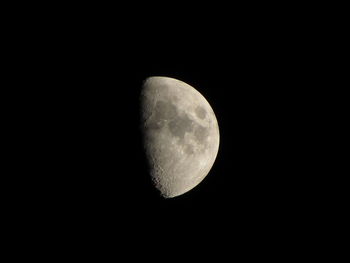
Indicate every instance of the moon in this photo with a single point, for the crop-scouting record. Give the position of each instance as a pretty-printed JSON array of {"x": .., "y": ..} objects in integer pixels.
[{"x": 180, "y": 134}]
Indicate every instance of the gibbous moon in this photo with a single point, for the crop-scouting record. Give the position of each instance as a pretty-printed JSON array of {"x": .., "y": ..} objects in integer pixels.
[{"x": 180, "y": 134}]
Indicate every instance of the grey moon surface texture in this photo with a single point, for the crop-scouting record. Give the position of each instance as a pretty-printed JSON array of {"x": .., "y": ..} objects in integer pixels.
[{"x": 180, "y": 134}]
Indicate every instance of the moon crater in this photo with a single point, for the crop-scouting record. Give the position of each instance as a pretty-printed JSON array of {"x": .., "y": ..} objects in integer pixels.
[{"x": 200, "y": 112}]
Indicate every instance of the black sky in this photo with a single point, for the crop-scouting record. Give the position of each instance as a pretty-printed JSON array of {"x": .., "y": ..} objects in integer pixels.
[
  {"x": 256, "y": 94},
  {"x": 256, "y": 75}
]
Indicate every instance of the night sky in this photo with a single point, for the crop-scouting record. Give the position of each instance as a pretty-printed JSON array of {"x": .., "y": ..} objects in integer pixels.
[
  {"x": 257, "y": 80},
  {"x": 258, "y": 172}
]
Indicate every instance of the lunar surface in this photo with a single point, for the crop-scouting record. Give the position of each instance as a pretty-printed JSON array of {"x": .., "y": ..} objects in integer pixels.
[{"x": 180, "y": 134}]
